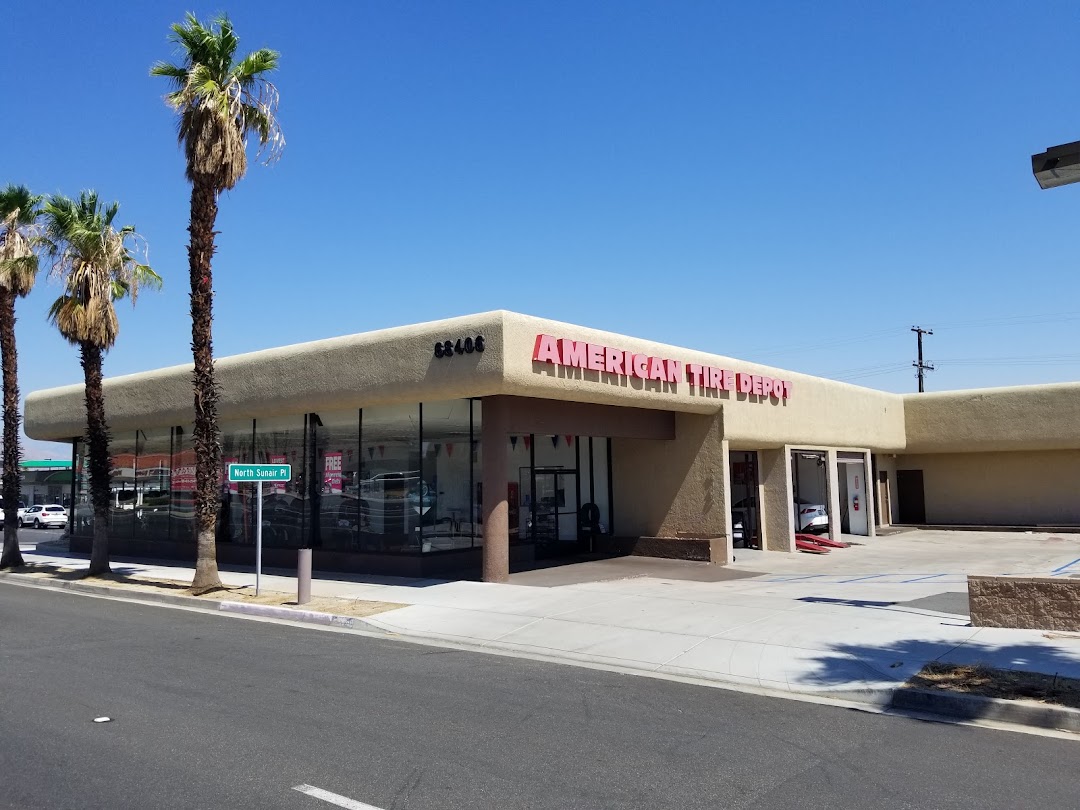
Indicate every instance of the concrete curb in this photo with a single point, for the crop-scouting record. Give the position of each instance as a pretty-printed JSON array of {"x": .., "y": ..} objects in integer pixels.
[
  {"x": 924, "y": 702},
  {"x": 225, "y": 605},
  {"x": 977, "y": 707},
  {"x": 272, "y": 612},
  {"x": 106, "y": 590}
]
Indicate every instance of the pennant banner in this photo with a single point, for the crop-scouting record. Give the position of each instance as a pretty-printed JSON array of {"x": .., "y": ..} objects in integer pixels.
[
  {"x": 569, "y": 440},
  {"x": 449, "y": 449},
  {"x": 554, "y": 441},
  {"x": 513, "y": 442},
  {"x": 528, "y": 441}
]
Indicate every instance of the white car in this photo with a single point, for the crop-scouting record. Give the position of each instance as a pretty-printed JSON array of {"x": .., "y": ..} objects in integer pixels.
[
  {"x": 47, "y": 516},
  {"x": 812, "y": 518}
]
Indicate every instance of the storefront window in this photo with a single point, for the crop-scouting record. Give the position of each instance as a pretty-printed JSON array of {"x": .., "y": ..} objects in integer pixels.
[
  {"x": 446, "y": 466},
  {"x": 282, "y": 440},
  {"x": 337, "y": 467},
  {"x": 598, "y": 489},
  {"x": 236, "y": 521},
  {"x": 182, "y": 525},
  {"x": 476, "y": 411},
  {"x": 392, "y": 496},
  {"x": 122, "y": 492},
  {"x": 519, "y": 486},
  {"x": 152, "y": 484},
  {"x": 82, "y": 513}
]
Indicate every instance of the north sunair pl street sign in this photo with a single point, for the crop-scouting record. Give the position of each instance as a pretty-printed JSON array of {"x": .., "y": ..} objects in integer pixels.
[
  {"x": 260, "y": 472},
  {"x": 256, "y": 474}
]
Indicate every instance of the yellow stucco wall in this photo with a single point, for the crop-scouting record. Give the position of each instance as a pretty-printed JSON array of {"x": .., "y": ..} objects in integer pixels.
[
  {"x": 672, "y": 488},
  {"x": 1029, "y": 417},
  {"x": 397, "y": 365},
  {"x": 1010, "y": 488},
  {"x": 819, "y": 411}
]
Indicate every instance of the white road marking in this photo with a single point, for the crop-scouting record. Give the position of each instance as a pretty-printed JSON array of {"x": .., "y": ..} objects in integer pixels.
[{"x": 334, "y": 798}]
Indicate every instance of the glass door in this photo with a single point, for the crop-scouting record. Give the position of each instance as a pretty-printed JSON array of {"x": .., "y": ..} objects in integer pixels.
[{"x": 555, "y": 512}]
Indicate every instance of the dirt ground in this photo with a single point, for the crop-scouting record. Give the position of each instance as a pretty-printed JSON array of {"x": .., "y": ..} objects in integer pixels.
[
  {"x": 999, "y": 683},
  {"x": 339, "y": 607}
]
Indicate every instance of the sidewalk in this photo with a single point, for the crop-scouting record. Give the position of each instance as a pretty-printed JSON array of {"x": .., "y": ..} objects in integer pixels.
[{"x": 847, "y": 636}]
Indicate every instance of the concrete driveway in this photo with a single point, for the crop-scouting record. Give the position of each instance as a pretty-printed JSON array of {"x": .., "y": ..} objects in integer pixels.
[{"x": 928, "y": 552}]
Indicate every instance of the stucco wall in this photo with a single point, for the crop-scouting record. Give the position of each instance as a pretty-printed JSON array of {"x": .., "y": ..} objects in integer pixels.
[
  {"x": 671, "y": 488},
  {"x": 776, "y": 498},
  {"x": 374, "y": 368},
  {"x": 1029, "y": 417},
  {"x": 397, "y": 365},
  {"x": 1021, "y": 488},
  {"x": 819, "y": 411}
]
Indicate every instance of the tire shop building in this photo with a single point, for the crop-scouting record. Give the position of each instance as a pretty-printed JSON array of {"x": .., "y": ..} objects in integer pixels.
[{"x": 492, "y": 440}]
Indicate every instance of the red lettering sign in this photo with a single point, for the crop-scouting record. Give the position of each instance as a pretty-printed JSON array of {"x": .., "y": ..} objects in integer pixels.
[{"x": 596, "y": 357}]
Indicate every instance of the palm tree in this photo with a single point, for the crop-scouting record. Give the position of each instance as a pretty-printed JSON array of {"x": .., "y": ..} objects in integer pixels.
[
  {"x": 18, "y": 269},
  {"x": 221, "y": 102},
  {"x": 97, "y": 266}
]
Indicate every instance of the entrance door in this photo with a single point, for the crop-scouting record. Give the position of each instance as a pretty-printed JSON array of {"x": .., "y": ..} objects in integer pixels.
[
  {"x": 853, "y": 494},
  {"x": 911, "y": 507},
  {"x": 555, "y": 512},
  {"x": 745, "y": 514}
]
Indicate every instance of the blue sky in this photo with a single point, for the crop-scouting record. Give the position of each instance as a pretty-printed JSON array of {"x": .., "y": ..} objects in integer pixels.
[{"x": 791, "y": 183}]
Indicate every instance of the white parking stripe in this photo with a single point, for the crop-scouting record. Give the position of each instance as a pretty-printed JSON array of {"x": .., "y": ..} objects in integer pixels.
[{"x": 334, "y": 798}]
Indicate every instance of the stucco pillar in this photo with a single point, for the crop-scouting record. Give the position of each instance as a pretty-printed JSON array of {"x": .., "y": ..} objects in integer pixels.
[
  {"x": 722, "y": 547},
  {"x": 776, "y": 499},
  {"x": 496, "y": 511},
  {"x": 870, "y": 486},
  {"x": 834, "y": 495}
]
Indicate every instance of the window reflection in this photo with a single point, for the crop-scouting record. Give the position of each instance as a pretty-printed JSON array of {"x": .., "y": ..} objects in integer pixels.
[
  {"x": 152, "y": 484},
  {"x": 236, "y": 515},
  {"x": 391, "y": 495},
  {"x": 182, "y": 484},
  {"x": 337, "y": 467},
  {"x": 281, "y": 440},
  {"x": 446, "y": 517}
]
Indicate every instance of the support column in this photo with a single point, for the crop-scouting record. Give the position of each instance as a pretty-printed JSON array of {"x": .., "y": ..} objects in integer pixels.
[
  {"x": 776, "y": 499},
  {"x": 834, "y": 495},
  {"x": 722, "y": 547},
  {"x": 496, "y": 511},
  {"x": 870, "y": 485}
]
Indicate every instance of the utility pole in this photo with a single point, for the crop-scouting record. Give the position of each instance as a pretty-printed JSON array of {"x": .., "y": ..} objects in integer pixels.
[{"x": 919, "y": 364}]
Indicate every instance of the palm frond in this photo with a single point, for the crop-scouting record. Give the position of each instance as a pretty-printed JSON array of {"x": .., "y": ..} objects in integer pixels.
[
  {"x": 96, "y": 263},
  {"x": 221, "y": 102},
  {"x": 254, "y": 65},
  {"x": 20, "y": 239}
]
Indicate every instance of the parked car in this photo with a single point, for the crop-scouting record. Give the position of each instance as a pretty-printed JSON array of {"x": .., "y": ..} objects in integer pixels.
[
  {"x": 812, "y": 518},
  {"x": 45, "y": 516}
]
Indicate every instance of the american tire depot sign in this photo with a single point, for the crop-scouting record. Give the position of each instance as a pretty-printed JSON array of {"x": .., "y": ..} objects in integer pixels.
[{"x": 597, "y": 357}]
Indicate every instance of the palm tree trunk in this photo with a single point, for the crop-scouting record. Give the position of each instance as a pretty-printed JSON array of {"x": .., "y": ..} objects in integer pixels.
[
  {"x": 205, "y": 436},
  {"x": 97, "y": 443},
  {"x": 11, "y": 556}
]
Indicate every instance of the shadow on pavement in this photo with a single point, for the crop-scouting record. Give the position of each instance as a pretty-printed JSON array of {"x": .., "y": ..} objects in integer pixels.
[{"x": 900, "y": 661}]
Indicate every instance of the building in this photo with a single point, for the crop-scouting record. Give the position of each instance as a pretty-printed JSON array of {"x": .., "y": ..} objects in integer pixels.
[
  {"x": 499, "y": 438},
  {"x": 45, "y": 481}
]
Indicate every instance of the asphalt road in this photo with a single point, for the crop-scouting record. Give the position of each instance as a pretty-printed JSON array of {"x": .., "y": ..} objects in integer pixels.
[
  {"x": 29, "y": 536},
  {"x": 217, "y": 712}
]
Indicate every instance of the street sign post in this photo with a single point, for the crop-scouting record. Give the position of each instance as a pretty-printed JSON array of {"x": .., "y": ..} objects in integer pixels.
[{"x": 257, "y": 473}]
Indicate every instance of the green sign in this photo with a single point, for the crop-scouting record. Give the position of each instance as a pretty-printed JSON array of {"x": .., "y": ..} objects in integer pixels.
[{"x": 260, "y": 472}]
